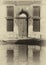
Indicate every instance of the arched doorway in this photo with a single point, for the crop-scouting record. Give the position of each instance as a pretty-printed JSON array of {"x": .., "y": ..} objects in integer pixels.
[{"x": 23, "y": 23}]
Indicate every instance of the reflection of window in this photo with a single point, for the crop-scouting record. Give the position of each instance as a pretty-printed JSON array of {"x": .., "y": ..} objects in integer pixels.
[
  {"x": 10, "y": 15},
  {"x": 36, "y": 18},
  {"x": 10, "y": 55},
  {"x": 36, "y": 53}
]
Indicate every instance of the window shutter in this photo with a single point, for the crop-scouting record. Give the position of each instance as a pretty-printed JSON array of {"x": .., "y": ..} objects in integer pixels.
[
  {"x": 36, "y": 19},
  {"x": 9, "y": 25},
  {"x": 36, "y": 25},
  {"x": 36, "y": 11},
  {"x": 10, "y": 11},
  {"x": 10, "y": 15}
]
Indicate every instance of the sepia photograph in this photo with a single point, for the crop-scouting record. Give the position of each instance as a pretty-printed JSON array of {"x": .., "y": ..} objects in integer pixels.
[{"x": 22, "y": 32}]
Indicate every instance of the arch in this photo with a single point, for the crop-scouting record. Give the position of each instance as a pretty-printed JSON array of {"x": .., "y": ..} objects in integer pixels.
[
  {"x": 22, "y": 15},
  {"x": 23, "y": 12}
]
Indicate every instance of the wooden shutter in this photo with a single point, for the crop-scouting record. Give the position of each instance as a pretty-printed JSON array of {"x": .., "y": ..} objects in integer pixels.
[
  {"x": 36, "y": 11},
  {"x": 36, "y": 19},
  {"x": 10, "y": 11},
  {"x": 36, "y": 25},
  {"x": 9, "y": 25}
]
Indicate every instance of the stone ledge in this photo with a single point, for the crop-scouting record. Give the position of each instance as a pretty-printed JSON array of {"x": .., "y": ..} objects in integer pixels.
[{"x": 23, "y": 42}]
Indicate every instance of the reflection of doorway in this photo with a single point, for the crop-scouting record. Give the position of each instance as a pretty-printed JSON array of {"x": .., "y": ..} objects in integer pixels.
[{"x": 23, "y": 24}]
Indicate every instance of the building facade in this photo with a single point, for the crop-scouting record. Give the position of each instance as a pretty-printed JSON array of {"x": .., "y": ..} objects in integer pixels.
[
  {"x": 22, "y": 32},
  {"x": 23, "y": 11}
]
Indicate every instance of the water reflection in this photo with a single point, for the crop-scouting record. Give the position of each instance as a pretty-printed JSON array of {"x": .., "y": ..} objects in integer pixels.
[
  {"x": 32, "y": 52},
  {"x": 36, "y": 55},
  {"x": 10, "y": 57},
  {"x": 23, "y": 52}
]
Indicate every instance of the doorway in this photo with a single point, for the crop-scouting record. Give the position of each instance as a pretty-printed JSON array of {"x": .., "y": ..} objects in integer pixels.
[{"x": 23, "y": 24}]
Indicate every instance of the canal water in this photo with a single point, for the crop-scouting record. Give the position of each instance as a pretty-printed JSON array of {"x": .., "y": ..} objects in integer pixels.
[{"x": 22, "y": 55}]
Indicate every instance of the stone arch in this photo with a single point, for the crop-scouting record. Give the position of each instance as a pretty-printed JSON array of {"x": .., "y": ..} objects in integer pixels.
[{"x": 23, "y": 12}]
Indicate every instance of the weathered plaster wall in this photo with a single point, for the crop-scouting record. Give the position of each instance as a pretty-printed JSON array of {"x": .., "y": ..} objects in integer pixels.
[{"x": 3, "y": 22}]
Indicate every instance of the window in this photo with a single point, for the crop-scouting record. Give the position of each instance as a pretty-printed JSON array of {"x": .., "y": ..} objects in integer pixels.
[
  {"x": 36, "y": 25},
  {"x": 36, "y": 18},
  {"x": 36, "y": 10},
  {"x": 10, "y": 11},
  {"x": 10, "y": 16},
  {"x": 9, "y": 24}
]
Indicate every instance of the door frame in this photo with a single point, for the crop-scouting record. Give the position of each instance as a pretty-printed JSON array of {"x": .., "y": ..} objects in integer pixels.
[{"x": 26, "y": 13}]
